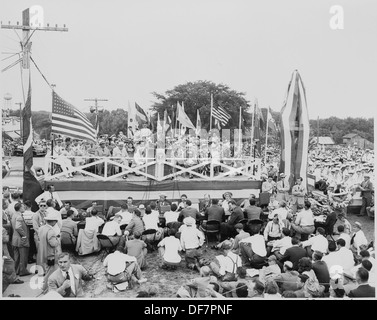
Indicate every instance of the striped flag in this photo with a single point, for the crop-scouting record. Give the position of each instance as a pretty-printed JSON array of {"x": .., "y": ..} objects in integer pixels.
[
  {"x": 140, "y": 115},
  {"x": 31, "y": 188},
  {"x": 270, "y": 121},
  {"x": 221, "y": 115},
  {"x": 69, "y": 121},
  {"x": 295, "y": 131},
  {"x": 198, "y": 123}
]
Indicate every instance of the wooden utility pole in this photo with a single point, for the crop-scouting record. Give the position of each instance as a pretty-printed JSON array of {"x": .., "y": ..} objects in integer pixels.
[{"x": 96, "y": 109}]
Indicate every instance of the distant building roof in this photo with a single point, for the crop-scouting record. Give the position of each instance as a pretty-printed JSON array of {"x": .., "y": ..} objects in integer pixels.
[
  {"x": 350, "y": 135},
  {"x": 324, "y": 140}
]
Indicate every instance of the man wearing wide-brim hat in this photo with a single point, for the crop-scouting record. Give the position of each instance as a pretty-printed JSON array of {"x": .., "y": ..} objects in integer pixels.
[{"x": 49, "y": 247}]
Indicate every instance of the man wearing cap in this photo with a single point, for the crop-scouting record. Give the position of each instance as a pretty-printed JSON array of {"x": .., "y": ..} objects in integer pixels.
[
  {"x": 358, "y": 238},
  {"x": 287, "y": 281},
  {"x": 191, "y": 240},
  {"x": 282, "y": 188},
  {"x": 366, "y": 188}
]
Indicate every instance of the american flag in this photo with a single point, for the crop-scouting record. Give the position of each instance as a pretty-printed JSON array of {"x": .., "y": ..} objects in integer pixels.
[
  {"x": 221, "y": 115},
  {"x": 68, "y": 121}
]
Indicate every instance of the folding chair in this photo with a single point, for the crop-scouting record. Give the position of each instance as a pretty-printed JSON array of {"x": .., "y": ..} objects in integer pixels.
[
  {"x": 106, "y": 244},
  {"x": 212, "y": 227},
  {"x": 66, "y": 241}
]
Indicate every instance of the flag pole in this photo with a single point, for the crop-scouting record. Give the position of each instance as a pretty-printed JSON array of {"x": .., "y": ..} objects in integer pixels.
[
  {"x": 240, "y": 131},
  {"x": 176, "y": 120},
  {"x": 265, "y": 146},
  {"x": 210, "y": 119}
]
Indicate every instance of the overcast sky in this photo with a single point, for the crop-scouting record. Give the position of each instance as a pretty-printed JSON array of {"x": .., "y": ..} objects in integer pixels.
[{"x": 124, "y": 50}]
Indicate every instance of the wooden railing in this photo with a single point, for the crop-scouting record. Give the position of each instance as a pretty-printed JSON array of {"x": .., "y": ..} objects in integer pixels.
[{"x": 102, "y": 168}]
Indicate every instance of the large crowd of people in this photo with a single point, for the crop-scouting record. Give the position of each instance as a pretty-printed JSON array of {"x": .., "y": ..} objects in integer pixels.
[{"x": 280, "y": 245}]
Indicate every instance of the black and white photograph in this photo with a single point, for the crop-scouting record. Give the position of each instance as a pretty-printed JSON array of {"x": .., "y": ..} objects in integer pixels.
[{"x": 176, "y": 150}]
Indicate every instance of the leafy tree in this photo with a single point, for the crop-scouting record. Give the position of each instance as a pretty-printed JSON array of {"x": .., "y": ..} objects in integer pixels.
[{"x": 197, "y": 95}]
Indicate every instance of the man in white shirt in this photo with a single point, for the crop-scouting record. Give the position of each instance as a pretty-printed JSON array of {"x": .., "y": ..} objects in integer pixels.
[
  {"x": 304, "y": 222},
  {"x": 112, "y": 229},
  {"x": 68, "y": 206},
  {"x": 316, "y": 243},
  {"x": 172, "y": 215},
  {"x": 121, "y": 154},
  {"x": 281, "y": 211},
  {"x": 342, "y": 257},
  {"x": 168, "y": 249},
  {"x": 358, "y": 239},
  {"x": 125, "y": 214},
  {"x": 345, "y": 236},
  {"x": 280, "y": 246},
  {"x": 50, "y": 193},
  {"x": 191, "y": 240},
  {"x": 94, "y": 222},
  {"x": 228, "y": 262},
  {"x": 121, "y": 268},
  {"x": 253, "y": 250}
]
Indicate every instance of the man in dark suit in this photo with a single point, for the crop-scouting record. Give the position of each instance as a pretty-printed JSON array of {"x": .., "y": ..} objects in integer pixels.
[
  {"x": 20, "y": 240},
  {"x": 188, "y": 211},
  {"x": 252, "y": 211},
  {"x": 330, "y": 221},
  {"x": 364, "y": 290},
  {"x": 227, "y": 229},
  {"x": 293, "y": 254},
  {"x": 366, "y": 188},
  {"x": 215, "y": 212},
  {"x": 67, "y": 280}
]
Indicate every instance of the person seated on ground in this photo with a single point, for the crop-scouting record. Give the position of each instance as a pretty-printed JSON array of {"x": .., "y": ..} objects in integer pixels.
[
  {"x": 372, "y": 275},
  {"x": 229, "y": 287},
  {"x": 227, "y": 229},
  {"x": 121, "y": 267},
  {"x": 312, "y": 285},
  {"x": 137, "y": 248},
  {"x": 172, "y": 215},
  {"x": 364, "y": 290},
  {"x": 151, "y": 220},
  {"x": 67, "y": 279},
  {"x": 271, "y": 291},
  {"x": 225, "y": 265},
  {"x": 346, "y": 223},
  {"x": 302, "y": 291},
  {"x": 205, "y": 286},
  {"x": 87, "y": 241},
  {"x": 288, "y": 294},
  {"x": 253, "y": 251},
  {"x": 342, "y": 257},
  {"x": 343, "y": 235},
  {"x": 68, "y": 206},
  {"x": 270, "y": 271},
  {"x": 189, "y": 211},
  {"x": 280, "y": 246},
  {"x": 294, "y": 253},
  {"x": 304, "y": 223},
  {"x": 236, "y": 241},
  {"x": 364, "y": 255},
  {"x": 135, "y": 225},
  {"x": 316, "y": 243},
  {"x": 252, "y": 212},
  {"x": 69, "y": 229},
  {"x": 287, "y": 281},
  {"x": 321, "y": 271},
  {"x": 125, "y": 214},
  {"x": 169, "y": 249},
  {"x": 191, "y": 241},
  {"x": 358, "y": 239},
  {"x": 112, "y": 230},
  {"x": 273, "y": 231},
  {"x": 255, "y": 289},
  {"x": 241, "y": 290}
]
